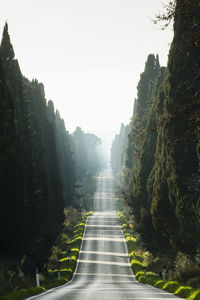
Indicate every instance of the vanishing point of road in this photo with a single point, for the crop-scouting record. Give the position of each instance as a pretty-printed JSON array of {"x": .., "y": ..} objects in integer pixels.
[{"x": 103, "y": 271}]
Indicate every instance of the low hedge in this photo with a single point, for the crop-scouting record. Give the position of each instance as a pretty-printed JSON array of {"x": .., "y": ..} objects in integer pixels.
[
  {"x": 195, "y": 295},
  {"x": 147, "y": 278},
  {"x": 159, "y": 284},
  {"x": 136, "y": 265},
  {"x": 184, "y": 291},
  {"x": 171, "y": 286}
]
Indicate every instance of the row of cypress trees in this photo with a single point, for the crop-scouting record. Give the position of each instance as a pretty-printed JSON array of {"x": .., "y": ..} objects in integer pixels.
[
  {"x": 39, "y": 163},
  {"x": 161, "y": 170}
]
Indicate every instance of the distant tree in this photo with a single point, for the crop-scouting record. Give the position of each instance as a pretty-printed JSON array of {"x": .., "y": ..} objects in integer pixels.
[
  {"x": 118, "y": 150},
  {"x": 65, "y": 155},
  {"x": 87, "y": 165}
]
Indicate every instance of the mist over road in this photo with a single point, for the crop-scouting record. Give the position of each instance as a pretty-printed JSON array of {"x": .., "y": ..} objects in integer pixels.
[{"x": 103, "y": 270}]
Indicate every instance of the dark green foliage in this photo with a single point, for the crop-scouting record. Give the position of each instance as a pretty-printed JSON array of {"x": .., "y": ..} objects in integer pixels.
[
  {"x": 22, "y": 294},
  {"x": 65, "y": 157},
  {"x": 141, "y": 148},
  {"x": 175, "y": 205},
  {"x": 184, "y": 291},
  {"x": 192, "y": 274},
  {"x": 171, "y": 286},
  {"x": 12, "y": 157},
  {"x": 159, "y": 284},
  {"x": 194, "y": 282},
  {"x": 162, "y": 158},
  {"x": 31, "y": 193},
  {"x": 37, "y": 166}
]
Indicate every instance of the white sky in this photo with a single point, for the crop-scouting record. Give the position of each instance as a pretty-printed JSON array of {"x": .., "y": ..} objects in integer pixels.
[{"x": 88, "y": 53}]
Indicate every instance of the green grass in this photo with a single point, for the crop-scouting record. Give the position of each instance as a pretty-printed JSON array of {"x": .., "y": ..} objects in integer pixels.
[
  {"x": 21, "y": 294},
  {"x": 55, "y": 283}
]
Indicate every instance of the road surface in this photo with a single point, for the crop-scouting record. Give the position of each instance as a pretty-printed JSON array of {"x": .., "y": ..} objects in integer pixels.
[{"x": 103, "y": 270}]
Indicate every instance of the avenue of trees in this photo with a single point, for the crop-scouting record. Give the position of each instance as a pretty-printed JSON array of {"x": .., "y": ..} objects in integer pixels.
[
  {"x": 43, "y": 168},
  {"x": 160, "y": 169}
]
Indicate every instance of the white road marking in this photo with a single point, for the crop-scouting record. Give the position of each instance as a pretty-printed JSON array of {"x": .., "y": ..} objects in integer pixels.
[
  {"x": 99, "y": 274},
  {"x": 102, "y": 225},
  {"x": 105, "y": 253},
  {"x": 103, "y": 262},
  {"x": 100, "y": 238}
]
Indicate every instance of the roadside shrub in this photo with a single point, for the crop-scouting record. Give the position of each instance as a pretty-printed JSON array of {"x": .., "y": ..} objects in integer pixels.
[
  {"x": 183, "y": 292},
  {"x": 195, "y": 295},
  {"x": 131, "y": 243},
  {"x": 159, "y": 284},
  {"x": 142, "y": 279},
  {"x": 171, "y": 286},
  {"x": 137, "y": 257},
  {"x": 149, "y": 278},
  {"x": 136, "y": 266}
]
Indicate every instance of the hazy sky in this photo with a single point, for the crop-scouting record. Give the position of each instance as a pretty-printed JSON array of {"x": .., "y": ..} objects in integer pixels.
[{"x": 88, "y": 53}]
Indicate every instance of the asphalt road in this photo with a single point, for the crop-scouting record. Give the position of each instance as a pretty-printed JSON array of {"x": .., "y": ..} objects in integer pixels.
[{"x": 103, "y": 270}]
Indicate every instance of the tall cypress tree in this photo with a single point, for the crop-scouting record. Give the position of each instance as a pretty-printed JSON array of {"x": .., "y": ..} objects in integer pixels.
[
  {"x": 175, "y": 204},
  {"x": 136, "y": 135},
  {"x": 118, "y": 150},
  {"x": 14, "y": 188},
  {"x": 31, "y": 202},
  {"x": 65, "y": 155}
]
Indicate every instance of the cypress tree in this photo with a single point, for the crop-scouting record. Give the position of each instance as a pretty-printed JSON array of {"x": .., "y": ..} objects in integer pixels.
[
  {"x": 118, "y": 150},
  {"x": 175, "y": 204},
  {"x": 137, "y": 129}
]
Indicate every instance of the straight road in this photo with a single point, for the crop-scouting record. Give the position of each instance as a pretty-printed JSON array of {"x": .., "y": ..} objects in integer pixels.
[{"x": 103, "y": 270}]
